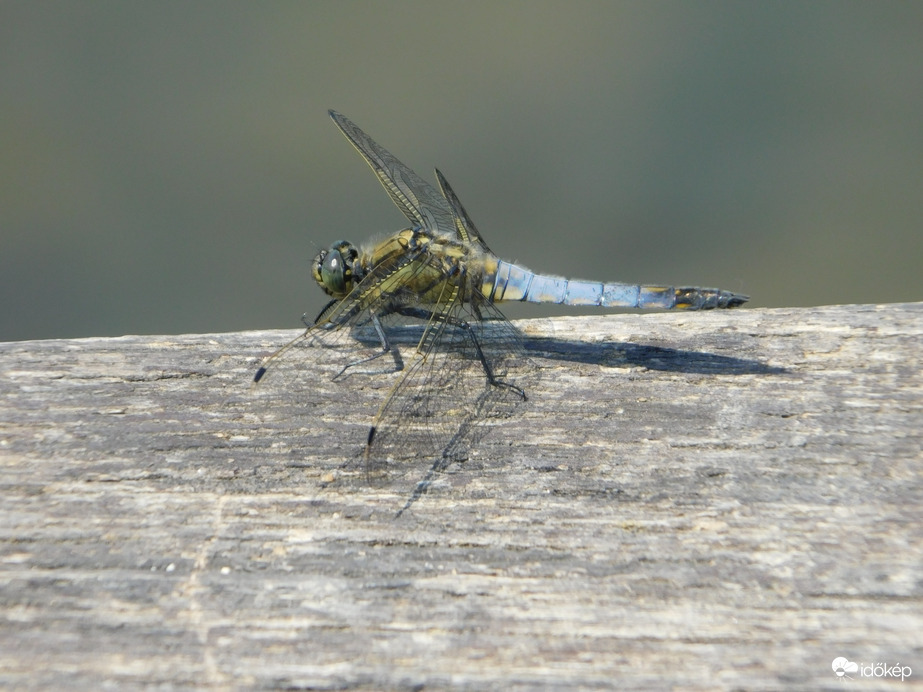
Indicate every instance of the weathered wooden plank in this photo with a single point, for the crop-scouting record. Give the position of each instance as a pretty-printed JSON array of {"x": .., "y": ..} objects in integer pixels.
[{"x": 723, "y": 500}]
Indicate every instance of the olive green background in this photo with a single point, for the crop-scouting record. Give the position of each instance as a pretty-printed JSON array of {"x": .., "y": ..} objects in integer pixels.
[{"x": 169, "y": 167}]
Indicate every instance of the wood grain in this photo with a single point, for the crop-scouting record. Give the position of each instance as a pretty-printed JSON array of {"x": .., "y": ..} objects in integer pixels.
[{"x": 727, "y": 500}]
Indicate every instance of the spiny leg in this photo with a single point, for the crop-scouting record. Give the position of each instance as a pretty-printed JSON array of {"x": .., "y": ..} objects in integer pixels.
[
  {"x": 423, "y": 314},
  {"x": 385, "y": 349}
]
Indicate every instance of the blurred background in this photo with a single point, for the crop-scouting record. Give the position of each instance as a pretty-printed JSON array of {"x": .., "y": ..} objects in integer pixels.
[{"x": 170, "y": 167}]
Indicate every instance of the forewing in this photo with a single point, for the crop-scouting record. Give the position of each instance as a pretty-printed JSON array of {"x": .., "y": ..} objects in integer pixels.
[
  {"x": 324, "y": 353},
  {"x": 417, "y": 199},
  {"x": 345, "y": 333}
]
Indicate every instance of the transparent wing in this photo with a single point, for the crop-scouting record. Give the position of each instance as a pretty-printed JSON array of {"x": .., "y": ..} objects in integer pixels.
[
  {"x": 464, "y": 226},
  {"x": 444, "y": 402},
  {"x": 417, "y": 199}
]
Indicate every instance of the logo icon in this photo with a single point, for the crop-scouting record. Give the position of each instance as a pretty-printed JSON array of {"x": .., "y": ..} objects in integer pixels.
[{"x": 842, "y": 667}]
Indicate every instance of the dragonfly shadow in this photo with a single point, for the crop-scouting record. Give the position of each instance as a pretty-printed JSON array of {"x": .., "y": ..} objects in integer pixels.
[
  {"x": 622, "y": 354},
  {"x": 497, "y": 403}
]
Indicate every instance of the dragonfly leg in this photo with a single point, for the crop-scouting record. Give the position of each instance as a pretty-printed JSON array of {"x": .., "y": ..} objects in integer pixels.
[
  {"x": 321, "y": 316},
  {"x": 385, "y": 348},
  {"x": 428, "y": 315},
  {"x": 487, "y": 369}
]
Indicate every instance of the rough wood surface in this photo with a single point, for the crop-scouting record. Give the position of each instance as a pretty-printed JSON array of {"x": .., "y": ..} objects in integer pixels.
[{"x": 697, "y": 501}]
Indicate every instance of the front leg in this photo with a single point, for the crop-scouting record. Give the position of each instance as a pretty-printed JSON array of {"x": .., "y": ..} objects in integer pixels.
[
  {"x": 385, "y": 348},
  {"x": 321, "y": 316}
]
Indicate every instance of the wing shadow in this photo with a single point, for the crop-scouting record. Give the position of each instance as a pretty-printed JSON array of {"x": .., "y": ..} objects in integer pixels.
[{"x": 620, "y": 354}]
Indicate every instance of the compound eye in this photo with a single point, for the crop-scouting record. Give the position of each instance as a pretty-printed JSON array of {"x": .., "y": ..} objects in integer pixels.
[
  {"x": 333, "y": 273},
  {"x": 334, "y": 269}
]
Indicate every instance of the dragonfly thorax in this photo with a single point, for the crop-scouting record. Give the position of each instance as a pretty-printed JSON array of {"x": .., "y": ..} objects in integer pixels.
[{"x": 335, "y": 269}]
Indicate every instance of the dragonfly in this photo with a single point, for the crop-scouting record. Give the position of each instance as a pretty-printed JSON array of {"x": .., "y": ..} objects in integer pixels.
[{"x": 467, "y": 367}]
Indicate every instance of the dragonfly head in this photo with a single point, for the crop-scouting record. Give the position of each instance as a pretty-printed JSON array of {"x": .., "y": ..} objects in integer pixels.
[{"x": 335, "y": 268}]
